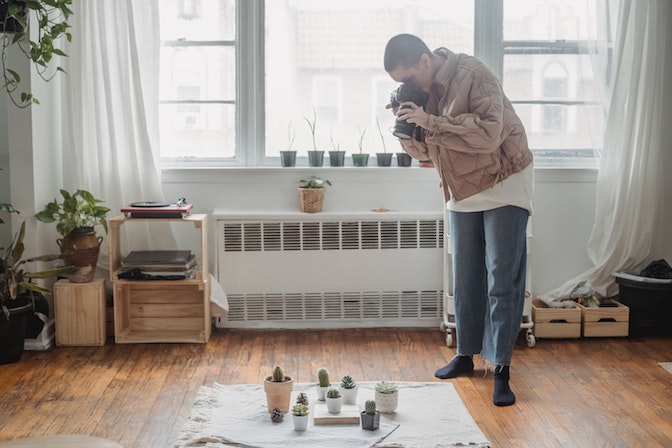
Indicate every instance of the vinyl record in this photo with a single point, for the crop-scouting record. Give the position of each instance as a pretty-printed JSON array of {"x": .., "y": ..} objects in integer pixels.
[{"x": 150, "y": 204}]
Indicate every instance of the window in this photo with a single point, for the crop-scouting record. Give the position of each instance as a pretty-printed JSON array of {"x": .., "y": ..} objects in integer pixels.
[{"x": 289, "y": 59}]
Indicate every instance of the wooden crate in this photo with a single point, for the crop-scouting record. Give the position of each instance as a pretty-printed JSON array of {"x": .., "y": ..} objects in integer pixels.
[
  {"x": 79, "y": 312},
  {"x": 605, "y": 321},
  {"x": 161, "y": 311},
  {"x": 555, "y": 322}
]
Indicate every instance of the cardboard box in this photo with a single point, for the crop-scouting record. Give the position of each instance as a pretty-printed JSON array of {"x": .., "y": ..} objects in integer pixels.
[
  {"x": 607, "y": 321},
  {"x": 555, "y": 322}
]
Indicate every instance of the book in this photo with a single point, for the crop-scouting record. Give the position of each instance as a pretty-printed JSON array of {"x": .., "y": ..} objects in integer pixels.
[{"x": 161, "y": 259}]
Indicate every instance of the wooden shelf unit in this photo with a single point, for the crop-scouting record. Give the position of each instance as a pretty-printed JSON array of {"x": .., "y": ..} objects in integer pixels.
[{"x": 160, "y": 310}]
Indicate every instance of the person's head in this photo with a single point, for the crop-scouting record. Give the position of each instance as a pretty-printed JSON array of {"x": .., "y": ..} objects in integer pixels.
[{"x": 409, "y": 59}]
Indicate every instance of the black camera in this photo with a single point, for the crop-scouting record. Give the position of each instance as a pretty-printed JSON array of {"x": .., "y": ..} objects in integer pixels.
[{"x": 407, "y": 92}]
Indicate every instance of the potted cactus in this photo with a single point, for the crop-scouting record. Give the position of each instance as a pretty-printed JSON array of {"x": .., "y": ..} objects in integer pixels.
[
  {"x": 349, "y": 390},
  {"x": 387, "y": 396},
  {"x": 300, "y": 413},
  {"x": 370, "y": 416},
  {"x": 334, "y": 401},
  {"x": 278, "y": 388},
  {"x": 323, "y": 383}
]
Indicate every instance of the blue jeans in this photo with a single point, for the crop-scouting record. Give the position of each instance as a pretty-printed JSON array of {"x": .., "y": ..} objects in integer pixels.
[{"x": 489, "y": 257}]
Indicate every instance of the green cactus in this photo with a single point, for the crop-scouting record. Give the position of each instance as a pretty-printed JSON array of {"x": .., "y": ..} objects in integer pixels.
[
  {"x": 348, "y": 383},
  {"x": 323, "y": 376},
  {"x": 333, "y": 393},
  {"x": 278, "y": 375},
  {"x": 385, "y": 387},
  {"x": 370, "y": 407},
  {"x": 299, "y": 409}
]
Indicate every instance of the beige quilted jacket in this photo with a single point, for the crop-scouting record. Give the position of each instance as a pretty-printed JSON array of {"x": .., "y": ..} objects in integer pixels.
[{"x": 474, "y": 137}]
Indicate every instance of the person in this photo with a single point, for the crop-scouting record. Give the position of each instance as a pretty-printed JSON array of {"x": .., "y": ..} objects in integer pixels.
[{"x": 478, "y": 144}]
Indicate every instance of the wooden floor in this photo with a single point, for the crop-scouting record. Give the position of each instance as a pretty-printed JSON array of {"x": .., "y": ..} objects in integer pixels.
[{"x": 571, "y": 393}]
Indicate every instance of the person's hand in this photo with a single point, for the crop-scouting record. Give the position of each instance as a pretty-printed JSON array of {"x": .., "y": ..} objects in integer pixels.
[{"x": 413, "y": 113}]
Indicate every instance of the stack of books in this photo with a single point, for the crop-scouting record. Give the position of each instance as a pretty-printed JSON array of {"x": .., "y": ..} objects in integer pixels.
[{"x": 158, "y": 265}]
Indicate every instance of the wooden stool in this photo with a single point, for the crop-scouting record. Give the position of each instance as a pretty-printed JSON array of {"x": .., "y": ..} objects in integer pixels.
[{"x": 60, "y": 441}]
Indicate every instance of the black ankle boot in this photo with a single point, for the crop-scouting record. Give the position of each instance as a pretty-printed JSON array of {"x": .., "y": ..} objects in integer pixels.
[
  {"x": 459, "y": 365},
  {"x": 502, "y": 395}
]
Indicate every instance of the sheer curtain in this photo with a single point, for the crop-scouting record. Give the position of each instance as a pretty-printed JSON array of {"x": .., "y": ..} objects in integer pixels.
[
  {"x": 111, "y": 103},
  {"x": 628, "y": 219}
]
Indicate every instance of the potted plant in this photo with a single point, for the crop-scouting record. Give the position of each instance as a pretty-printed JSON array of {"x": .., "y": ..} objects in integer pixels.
[
  {"x": 387, "y": 396},
  {"x": 300, "y": 416},
  {"x": 336, "y": 156},
  {"x": 383, "y": 158},
  {"x": 51, "y": 24},
  {"x": 278, "y": 388},
  {"x": 315, "y": 157},
  {"x": 349, "y": 388},
  {"x": 76, "y": 217},
  {"x": 334, "y": 401},
  {"x": 360, "y": 159},
  {"x": 311, "y": 194},
  {"x": 18, "y": 294},
  {"x": 322, "y": 383},
  {"x": 288, "y": 156},
  {"x": 370, "y": 416}
]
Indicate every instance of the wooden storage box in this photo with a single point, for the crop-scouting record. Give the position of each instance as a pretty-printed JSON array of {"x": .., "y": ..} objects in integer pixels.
[
  {"x": 161, "y": 311},
  {"x": 555, "y": 322},
  {"x": 605, "y": 321},
  {"x": 79, "y": 313}
]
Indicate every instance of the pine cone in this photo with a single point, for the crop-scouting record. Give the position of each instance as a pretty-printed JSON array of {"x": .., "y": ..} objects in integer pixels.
[
  {"x": 277, "y": 416},
  {"x": 302, "y": 399}
]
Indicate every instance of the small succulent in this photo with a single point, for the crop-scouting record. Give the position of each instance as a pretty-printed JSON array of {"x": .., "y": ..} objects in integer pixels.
[
  {"x": 370, "y": 407},
  {"x": 299, "y": 409},
  {"x": 278, "y": 375},
  {"x": 302, "y": 398},
  {"x": 348, "y": 383},
  {"x": 333, "y": 393},
  {"x": 277, "y": 416},
  {"x": 323, "y": 376},
  {"x": 385, "y": 387}
]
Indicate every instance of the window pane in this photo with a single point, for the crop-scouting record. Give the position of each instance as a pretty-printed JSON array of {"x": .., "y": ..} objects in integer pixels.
[
  {"x": 197, "y": 19},
  {"x": 198, "y": 73},
  {"x": 197, "y": 130},
  {"x": 549, "y": 19},
  {"x": 327, "y": 57}
]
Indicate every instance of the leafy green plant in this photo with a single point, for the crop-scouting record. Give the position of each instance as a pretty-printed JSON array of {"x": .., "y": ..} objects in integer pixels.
[
  {"x": 314, "y": 182},
  {"x": 76, "y": 210},
  {"x": 52, "y": 25}
]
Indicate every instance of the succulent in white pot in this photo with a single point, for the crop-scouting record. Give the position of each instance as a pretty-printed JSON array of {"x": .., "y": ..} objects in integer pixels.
[
  {"x": 387, "y": 397},
  {"x": 348, "y": 389},
  {"x": 300, "y": 416},
  {"x": 334, "y": 401}
]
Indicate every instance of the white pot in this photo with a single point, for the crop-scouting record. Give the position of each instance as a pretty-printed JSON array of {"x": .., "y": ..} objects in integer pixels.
[
  {"x": 349, "y": 395},
  {"x": 322, "y": 392},
  {"x": 300, "y": 422},
  {"x": 334, "y": 405},
  {"x": 387, "y": 403}
]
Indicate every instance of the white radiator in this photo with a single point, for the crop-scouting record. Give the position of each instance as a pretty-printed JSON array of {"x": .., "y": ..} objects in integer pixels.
[{"x": 331, "y": 270}]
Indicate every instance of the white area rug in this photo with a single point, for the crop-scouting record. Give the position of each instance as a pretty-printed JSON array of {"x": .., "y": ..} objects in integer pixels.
[
  {"x": 429, "y": 415},
  {"x": 666, "y": 365}
]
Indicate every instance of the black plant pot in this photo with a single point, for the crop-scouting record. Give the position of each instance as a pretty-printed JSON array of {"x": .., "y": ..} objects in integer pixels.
[
  {"x": 403, "y": 159},
  {"x": 13, "y": 330},
  {"x": 360, "y": 159},
  {"x": 370, "y": 421},
  {"x": 315, "y": 158},
  {"x": 336, "y": 158},
  {"x": 384, "y": 158},
  {"x": 288, "y": 158}
]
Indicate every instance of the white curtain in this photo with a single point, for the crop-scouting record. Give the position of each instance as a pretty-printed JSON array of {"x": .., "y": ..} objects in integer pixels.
[
  {"x": 629, "y": 185},
  {"x": 111, "y": 104}
]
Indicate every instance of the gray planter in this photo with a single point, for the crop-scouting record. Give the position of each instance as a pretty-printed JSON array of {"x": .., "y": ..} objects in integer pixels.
[
  {"x": 370, "y": 422},
  {"x": 403, "y": 159},
  {"x": 336, "y": 158},
  {"x": 384, "y": 158},
  {"x": 288, "y": 158},
  {"x": 315, "y": 158},
  {"x": 360, "y": 159}
]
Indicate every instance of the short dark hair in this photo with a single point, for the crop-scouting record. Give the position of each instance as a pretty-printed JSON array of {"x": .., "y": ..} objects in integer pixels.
[{"x": 405, "y": 50}]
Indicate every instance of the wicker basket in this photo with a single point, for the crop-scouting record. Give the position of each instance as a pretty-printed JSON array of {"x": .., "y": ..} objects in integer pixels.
[{"x": 311, "y": 200}]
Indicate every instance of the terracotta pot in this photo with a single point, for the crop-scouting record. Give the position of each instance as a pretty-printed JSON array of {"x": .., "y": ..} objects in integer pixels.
[
  {"x": 278, "y": 393},
  {"x": 80, "y": 249}
]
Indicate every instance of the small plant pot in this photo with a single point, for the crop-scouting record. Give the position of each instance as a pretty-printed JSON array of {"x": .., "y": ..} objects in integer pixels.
[
  {"x": 315, "y": 158},
  {"x": 384, "y": 158},
  {"x": 370, "y": 422},
  {"x": 403, "y": 159},
  {"x": 278, "y": 394},
  {"x": 300, "y": 422},
  {"x": 288, "y": 158},
  {"x": 387, "y": 403},
  {"x": 322, "y": 392},
  {"x": 311, "y": 200},
  {"x": 360, "y": 159},
  {"x": 334, "y": 405},
  {"x": 349, "y": 395},
  {"x": 336, "y": 158}
]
